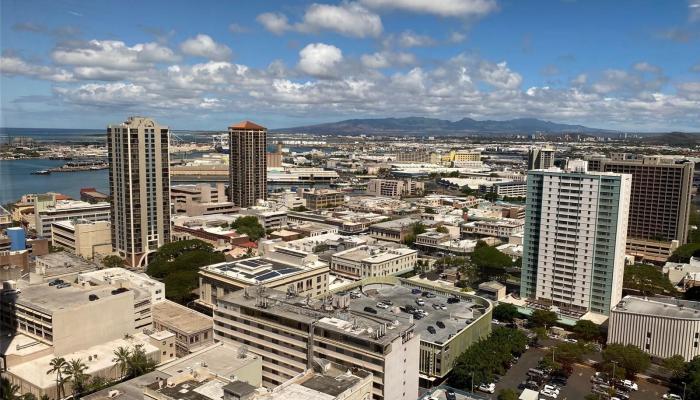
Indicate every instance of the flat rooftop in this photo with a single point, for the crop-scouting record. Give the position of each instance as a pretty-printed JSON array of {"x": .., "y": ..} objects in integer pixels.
[
  {"x": 224, "y": 359},
  {"x": 659, "y": 307},
  {"x": 180, "y": 317},
  {"x": 354, "y": 321},
  {"x": 374, "y": 254},
  {"x": 63, "y": 262},
  {"x": 51, "y": 299},
  {"x": 456, "y": 317},
  {"x": 253, "y": 270}
]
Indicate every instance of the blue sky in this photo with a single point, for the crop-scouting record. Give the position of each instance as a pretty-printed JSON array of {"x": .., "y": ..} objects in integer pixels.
[{"x": 632, "y": 65}]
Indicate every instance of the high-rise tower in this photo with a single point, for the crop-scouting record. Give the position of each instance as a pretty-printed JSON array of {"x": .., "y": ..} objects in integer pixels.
[
  {"x": 139, "y": 181},
  {"x": 248, "y": 163}
]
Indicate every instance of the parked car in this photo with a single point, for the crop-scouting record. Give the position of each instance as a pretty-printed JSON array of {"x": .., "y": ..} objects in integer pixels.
[
  {"x": 450, "y": 394},
  {"x": 443, "y": 307},
  {"x": 630, "y": 385},
  {"x": 436, "y": 306},
  {"x": 429, "y": 295},
  {"x": 431, "y": 329},
  {"x": 417, "y": 316},
  {"x": 382, "y": 305},
  {"x": 487, "y": 387},
  {"x": 549, "y": 393},
  {"x": 388, "y": 302},
  {"x": 453, "y": 300},
  {"x": 370, "y": 310},
  {"x": 420, "y": 301},
  {"x": 416, "y": 291},
  {"x": 671, "y": 396},
  {"x": 55, "y": 282},
  {"x": 440, "y": 324}
]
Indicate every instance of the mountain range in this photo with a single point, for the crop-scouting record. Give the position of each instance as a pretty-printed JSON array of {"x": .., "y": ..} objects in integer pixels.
[{"x": 434, "y": 126}]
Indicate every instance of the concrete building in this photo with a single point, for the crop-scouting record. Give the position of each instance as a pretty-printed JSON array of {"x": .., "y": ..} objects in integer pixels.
[
  {"x": 314, "y": 229},
  {"x": 201, "y": 199},
  {"x": 288, "y": 269},
  {"x": 373, "y": 260},
  {"x": 574, "y": 242},
  {"x": 289, "y": 332},
  {"x": 505, "y": 189},
  {"x": 91, "y": 195},
  {"x": 247, "y": 163},
  {"x": 139, "y": 180},
  {"x": 323, "y": 198},
  {"x": 203, "y": 375},
  {"x": 437, "y": 242},
  {"x": 70, "y": 210},
  {"x": 417, "y": 156},
  {"x": 268, "y": 218},
  {"x": 465, "y": 322},
  {"x": 659, "y": 203},
  {"x": 540, "y": 158},
  {"x": 83, "y": 238},
  {"x": 396, "y": 230},
  {"x": 662, "y": 327},
  {"x": 502, "y": 228},
  {"x": 394, "y": 188},
  {"x": 193, "y": 330}
]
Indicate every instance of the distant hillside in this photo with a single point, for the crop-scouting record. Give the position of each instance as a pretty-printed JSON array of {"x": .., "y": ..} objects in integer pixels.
[
  {"x": 420, "y": 125},
  {"x": 674, "y": 139}
]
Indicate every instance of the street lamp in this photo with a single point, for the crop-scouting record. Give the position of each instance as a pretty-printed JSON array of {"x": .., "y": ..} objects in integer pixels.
[
  {"x": 472, "y": 376},
  {"x": 614, "y": 363},
  {"x": 683, "y": 390}
]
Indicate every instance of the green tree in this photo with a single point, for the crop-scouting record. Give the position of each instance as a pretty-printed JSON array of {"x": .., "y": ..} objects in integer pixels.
[
  {"x": 505, "y": 312},
  {"x": 9, "y": 390},
  {"x": 490, "y": 196},
  {"x": 416, "y": 229},
  {"x": 300, "y": 208},
  {"x": 139, "y": 363},
  {"x": 675, "y": 364},
  {"x": 507, "y": 394},
  {"x": 691, "y": 378},
  {"x": 543, "y": 318},
  {"x": 489, "y": 261},
  {"x": 629, "y": 357},
  {"x": 429, "y": 210},
  {"x": 683, "y": 253},
  {"x": 121, "y": 358},
  {"x": 28, "y": 396},
  {"x": 74, "y": 370},
  {"x": 442, "y": 229},
  {"x": 113, "y": 261},
  {"x": 647, "y": 280},
  {"x": 250, "y": 226},
  {"x": 587, "y": 330},
  {"x": 57, "y": 365}
]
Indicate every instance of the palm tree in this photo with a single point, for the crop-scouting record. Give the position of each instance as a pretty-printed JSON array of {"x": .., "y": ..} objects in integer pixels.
[
  {"x": 57, "y": 365},
  {"x": 75, "y": 370},
  {"x": 9, "y": 390},
  {"x": 121, "y": 357},
  {"x": 139, "y": 363}
]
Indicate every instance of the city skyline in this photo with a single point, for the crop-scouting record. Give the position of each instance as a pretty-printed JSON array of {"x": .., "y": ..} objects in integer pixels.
[{"x": 627, "y": 65}]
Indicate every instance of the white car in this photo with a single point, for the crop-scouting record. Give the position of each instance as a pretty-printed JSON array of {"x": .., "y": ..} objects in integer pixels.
[
  {"x": 382, "y": 305},
  {"x": 488, "y": 387},
  {"x": 551, "y": 388},
  {"x": 671, "y": 396},
  {"x": 630, "y": 385},
  {"x": 549, "y": 393},
  {"x": 571, "y": 340}
]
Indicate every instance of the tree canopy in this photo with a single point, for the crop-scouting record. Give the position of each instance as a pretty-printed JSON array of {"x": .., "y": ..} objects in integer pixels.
[
  {"x": 507, "y": 394},
  {"x": 250, "y": 226},
  {"x": 628, "y": 357},
  {"x": 587, "y": 330},
  {"x": 177, "y": 265},
  {"x": 416, "y": 229},
  {"x": 488, "y": 357},
  {"x": 647, "y": 280},
  {"x": 113, "y": 261},
  {"x": 489, "y": 261},
  {"x": 505, "y": 312},
  {"x": 541, "y": 318},
  {"x": 683, "y": 253}
]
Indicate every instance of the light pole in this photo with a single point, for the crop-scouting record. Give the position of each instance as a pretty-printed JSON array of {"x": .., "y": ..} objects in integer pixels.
[
  {"x": 614, "y": 363},
  {"x": 683, "y": 390},
  {"x": 472, "y": 376}
]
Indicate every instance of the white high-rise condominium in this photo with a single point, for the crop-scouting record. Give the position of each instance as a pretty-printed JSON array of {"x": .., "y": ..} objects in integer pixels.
[
  {"x": 575, "y": 234},
  {"x": 139, "y": 180}
]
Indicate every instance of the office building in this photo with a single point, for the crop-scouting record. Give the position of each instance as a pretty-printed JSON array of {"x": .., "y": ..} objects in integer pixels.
[
  {"x": 322, "y": 198},
  {"x": 69, "y": 210},
  {"x": 139, "y": 180},
  {"x": 394, "y": 188},
  {"x": 193, "y": 330},
  {"x": 290, "y": 331},
  {"x": 659, "y": 203},
  {"x": 662, "y": 327},
  {"x": 83, "y": 238},
  {"x": 201, "y": 199},
  {"x": 540, "y": 158},
  {"x": 575, "y": 234},
  {"x": 373, "y": 260},
  {"x": 502, "y": 228},
  {"x": 285, "y": 268},
  {"x": 248, "y": 163}
]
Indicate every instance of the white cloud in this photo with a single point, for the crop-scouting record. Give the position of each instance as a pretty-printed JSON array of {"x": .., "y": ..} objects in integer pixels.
[
  {"x": 276, "y": 23},
  {"x": 411, "y": 39},
  {"x": 348, "y": 19},
  {"x": 385, "y": 59},
  {"x": 113, "y": 55},
  {"x": 320, "y": 60},
  {"x": 14, "y": 66},
  {"x": 694, "y": 10},
  {"x": 457, "y": 37},
  {"x": 499, "y": 75},
  {"x": 204, "y": 46},
  {"x": 444, "y": 8},
  {"x": 646, "y": 67}
]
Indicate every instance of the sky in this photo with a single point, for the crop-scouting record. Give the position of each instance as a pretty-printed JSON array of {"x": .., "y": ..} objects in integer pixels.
[{"x": 632, "y": 65}]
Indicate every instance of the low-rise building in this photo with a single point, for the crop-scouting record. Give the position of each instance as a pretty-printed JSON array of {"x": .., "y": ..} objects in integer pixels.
[
  {"x": 60, "y": 265},
  {"x": 397, "y": 230},
  {"x": 394, "y": 188},
  {"x": 501, "y": 228},
  {"x": 91, "y": 195},
  {"x": 290, "y": 331},
  {"x": 373, "y": 260},
  {"x": 69, "y": 210},
  {"x": 268, "y": 218},
  {"x": 662, "y": 327},
  {"x": 83, "y": 238},
  {"x": 201, "y": 199},
  {"x": 193, "y": 330},
  {"x": 442, "y": 243},
  {"x": 285, "y": 268},
  {"x": 314, "y": 229},
  {"x": 322, "y": 198},
  {"x": 505, "y": 189},
  {"x": 348, "y": 222}
]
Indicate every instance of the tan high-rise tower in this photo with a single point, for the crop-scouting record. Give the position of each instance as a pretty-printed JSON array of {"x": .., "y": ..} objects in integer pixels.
[
  {"x": 248, "y": 163},
  {"x": 139, "y": 181}
]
